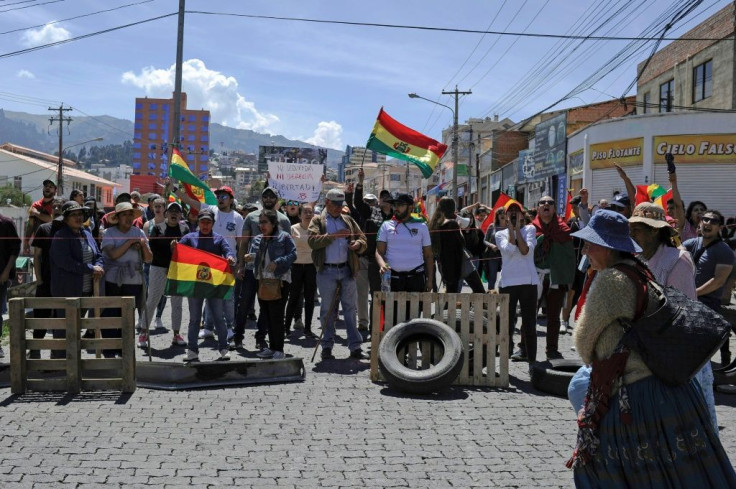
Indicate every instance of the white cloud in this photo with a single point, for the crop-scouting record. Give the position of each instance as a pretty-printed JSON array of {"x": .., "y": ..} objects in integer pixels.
[
  {"x": 327, "y": 135},
  {"x": 205, "y": 88},
  {"x": 25, "y": 74},
  {"x": 45, "y": 35}
]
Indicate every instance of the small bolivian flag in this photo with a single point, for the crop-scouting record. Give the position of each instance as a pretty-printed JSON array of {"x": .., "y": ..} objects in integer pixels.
[
  {"x": 193, "y": 186},
  {"x": 392, "y": 138},
  {"x": 197, "y": 273}
]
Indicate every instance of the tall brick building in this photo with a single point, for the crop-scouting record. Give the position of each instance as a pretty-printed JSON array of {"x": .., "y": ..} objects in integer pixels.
[
  {"x": 691, "y": 73},
  {"x": 153, "y": 133}
]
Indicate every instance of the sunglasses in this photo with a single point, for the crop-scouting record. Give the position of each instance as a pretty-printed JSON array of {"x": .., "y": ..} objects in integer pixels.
[
  {"x": 546, "y": 202},
  {"x": 292, "y": 202},
  {"x": 223, "y": 197},
  {"x": 708, "y": 220}
]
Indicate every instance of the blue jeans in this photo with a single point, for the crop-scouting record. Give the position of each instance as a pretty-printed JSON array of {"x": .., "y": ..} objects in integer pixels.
[
  {"x": 195, "y": 316},
  {"x": 327, "y": 281},
  {"x": 228, "y": 307},
  {"x": 247, "y": 300}
]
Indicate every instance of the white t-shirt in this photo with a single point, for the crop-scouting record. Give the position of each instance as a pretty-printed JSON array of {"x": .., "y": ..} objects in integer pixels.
[
  {"x": 517, "y": 269},
  {"x": 227, "y": 224},
  {"x": 405, "y": 242}
]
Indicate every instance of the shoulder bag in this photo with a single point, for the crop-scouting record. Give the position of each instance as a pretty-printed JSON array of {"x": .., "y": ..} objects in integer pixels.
[
  {"x": 679, "y": 337},
  {"x": 269, "y": 289}
]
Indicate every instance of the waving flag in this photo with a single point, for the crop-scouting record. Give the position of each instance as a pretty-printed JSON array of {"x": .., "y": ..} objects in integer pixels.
[
  {"x": 193, "y": 186},
  {"x": 197, "y": 273},
  {"x": 392, "y": 138},
  {"x": 662, "y": 200},
  {"x": 503, "y": 201}
]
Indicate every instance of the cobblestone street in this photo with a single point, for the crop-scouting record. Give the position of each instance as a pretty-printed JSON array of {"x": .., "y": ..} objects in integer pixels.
[{"x": 336, "y": 429}]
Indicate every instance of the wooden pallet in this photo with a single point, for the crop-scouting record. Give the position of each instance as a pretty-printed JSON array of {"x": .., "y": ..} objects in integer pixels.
[
  {"x": 78, "y": 376},
  {"x": 483, "y": 342}
]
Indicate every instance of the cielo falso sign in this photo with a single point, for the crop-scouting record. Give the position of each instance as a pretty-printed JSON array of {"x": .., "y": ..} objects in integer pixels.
[
  {"x": 696, "y": 148},
  {"x": 624, "y": 152}
]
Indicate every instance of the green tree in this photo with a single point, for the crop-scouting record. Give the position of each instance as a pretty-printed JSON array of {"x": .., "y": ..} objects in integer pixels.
[{"x": 16, "y": 196}]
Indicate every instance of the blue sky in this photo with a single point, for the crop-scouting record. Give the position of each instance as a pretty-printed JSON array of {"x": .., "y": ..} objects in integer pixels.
[{"x": 322, "y": 83}]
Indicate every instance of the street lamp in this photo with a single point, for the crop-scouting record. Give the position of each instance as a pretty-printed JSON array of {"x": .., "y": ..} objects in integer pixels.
[
  {"x": 455, "y": 146},
  {"x": 59, "y": 170}
]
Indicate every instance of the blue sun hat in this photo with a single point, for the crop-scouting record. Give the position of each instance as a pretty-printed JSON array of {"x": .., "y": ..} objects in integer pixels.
[{"x": 610, "y": 230}]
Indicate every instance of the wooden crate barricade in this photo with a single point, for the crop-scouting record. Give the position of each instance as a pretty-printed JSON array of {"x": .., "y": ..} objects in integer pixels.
[
  {"x": 76, "y": 367},
  {"x": 483, "y": 342}
]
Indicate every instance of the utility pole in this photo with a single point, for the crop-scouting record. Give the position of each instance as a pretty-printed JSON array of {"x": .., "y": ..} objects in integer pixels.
[
  {"x": 471, "y": 150},
  {"x": 61, "y": 120},
  {"x": 455, "y": 146},
  {"x": 177, "y": 77}
]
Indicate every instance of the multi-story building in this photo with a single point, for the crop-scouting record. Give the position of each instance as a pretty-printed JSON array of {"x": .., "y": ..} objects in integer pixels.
[
  {"x": 355, "y": 157},
  {"x": 694, "y": 72},
  {"x": 153, "y": 133}
]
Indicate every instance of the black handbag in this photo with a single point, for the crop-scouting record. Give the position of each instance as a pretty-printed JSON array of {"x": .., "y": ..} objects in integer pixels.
[{"x": 679, "y": 337}]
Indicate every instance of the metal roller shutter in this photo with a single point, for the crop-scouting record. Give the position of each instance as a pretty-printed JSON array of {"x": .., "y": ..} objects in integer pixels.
[
  {"x": 713, "y": 184},
  {"x": 606, "y": 181}
]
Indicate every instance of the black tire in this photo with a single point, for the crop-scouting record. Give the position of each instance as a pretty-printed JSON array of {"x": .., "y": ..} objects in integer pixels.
[
  {"x": 433, "y": 379},
  {"x": 444, "y": 318},
  {"x": 554, "y": 376}
]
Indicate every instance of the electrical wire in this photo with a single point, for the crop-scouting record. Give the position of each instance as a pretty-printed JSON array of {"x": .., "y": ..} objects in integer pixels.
[
  {"x": 75, "y": 17},
  {"x": 438, "y": 29},
  {"x": 84, "y": 36},
  {"x": 29, "y": 6}
]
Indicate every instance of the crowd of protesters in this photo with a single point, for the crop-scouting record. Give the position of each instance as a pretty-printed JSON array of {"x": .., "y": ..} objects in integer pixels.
[{"x": 355, "y": 240}]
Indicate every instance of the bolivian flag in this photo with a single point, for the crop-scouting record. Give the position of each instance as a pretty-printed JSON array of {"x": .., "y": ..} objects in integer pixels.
[
  {"x": 197, "y": 273},
  {"x": 193, "y": 186},
  {"x": 392, "y": 138}
]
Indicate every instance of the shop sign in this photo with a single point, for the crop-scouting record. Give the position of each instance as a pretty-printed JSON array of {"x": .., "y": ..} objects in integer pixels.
[
  {"x": 696, "y": 148},
  {"x": 550, "y": 145},
  {"x": 624, "y": 152},
  {"x": 575, "y": 165}
]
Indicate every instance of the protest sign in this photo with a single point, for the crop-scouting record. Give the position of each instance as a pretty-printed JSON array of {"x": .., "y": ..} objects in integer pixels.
[{"x": 295, "y": 181}]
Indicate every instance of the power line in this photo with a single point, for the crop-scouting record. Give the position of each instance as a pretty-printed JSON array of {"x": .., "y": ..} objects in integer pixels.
[
  {"x": 448, "y": 29},
  {"x": 85, "y": 36},
  {"x": 74, "y": 18},
  {"x": 29, "y": 6}
]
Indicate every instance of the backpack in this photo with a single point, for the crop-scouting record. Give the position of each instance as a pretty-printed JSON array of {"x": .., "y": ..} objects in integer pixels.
[{"x": 679, "y": 337}]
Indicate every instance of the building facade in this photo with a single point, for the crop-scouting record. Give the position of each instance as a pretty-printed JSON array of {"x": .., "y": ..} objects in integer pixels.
[
  {"x": 356, "y": 157},
  {"x": 697, "y": 71},
  {"x": 153, "y": 132}
]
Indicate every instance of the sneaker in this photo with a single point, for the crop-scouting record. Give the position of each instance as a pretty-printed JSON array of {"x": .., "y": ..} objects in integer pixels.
[
  {"x": 298, "y": 324},
  {"x": 34, "y": 355},
  {"x": 554, "y": 355},
  {"x": 143, "y": 341},
  {"x": 159, "y": 323},
  {"x": 564, "y": 325},
  {"x": 278, "y": 355},
  {"x": 178, "y": 340},
  {"x": 519, "y": 356},
  {"x": 205, "y": 333},
  {"x": 310, "y": 334},
  {"x": 230, "y": 334},
  {"x": 327, "y": 354},
  {"x": 224, "y": 355},
  {"x": 358, "y": 354},
  {"x": 261, "y": 344},
  {"x": 235, "y": 345},
  {"x": 192, "y": 356},
  {"x": 265, "y": 353}
]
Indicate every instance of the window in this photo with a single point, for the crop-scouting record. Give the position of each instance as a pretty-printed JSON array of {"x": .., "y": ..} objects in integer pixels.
[
  {"x": 395, "y": 177},
  {"x": 138, "y": 106},
  {"x": 202, "y": 157},
  {"x": 137, "y": 135},
  {"x": 138, "y": 125},
  {"x": 152, "y": 135},
  {"x": 190, "y": 137},
  {"x": 152, "y": 126},
  {"x": 202, "y": 167},
  {"x": 204, "y": 138},
  {"x": 702, "y": 81},
  {"x": 205, "y": 118},
  {"x": 647, "y": 101},
  {"x": 192, "y": 118},
  {"x": 191, "y": 127},
  {"x": 152, "y": 106},
  {"x": 205, "y": 128},
  {"x": 138, "y": 116},
  {"x": 190, "y": 157},
  {"x": 666, "y": 96},
  {"x": 152, "y": 116},
  {"x": 136, "y": 145}
]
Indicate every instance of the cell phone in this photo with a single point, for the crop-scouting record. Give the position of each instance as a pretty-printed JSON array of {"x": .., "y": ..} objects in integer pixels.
[{"x": 670, "y": 159}]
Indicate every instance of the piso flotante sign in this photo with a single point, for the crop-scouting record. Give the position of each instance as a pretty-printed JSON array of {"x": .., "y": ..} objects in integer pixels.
[{"x": 624, "y": 152}]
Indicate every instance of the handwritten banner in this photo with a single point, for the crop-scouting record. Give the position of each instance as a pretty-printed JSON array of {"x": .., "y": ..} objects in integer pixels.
[{"x": 295, "y": 181}]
